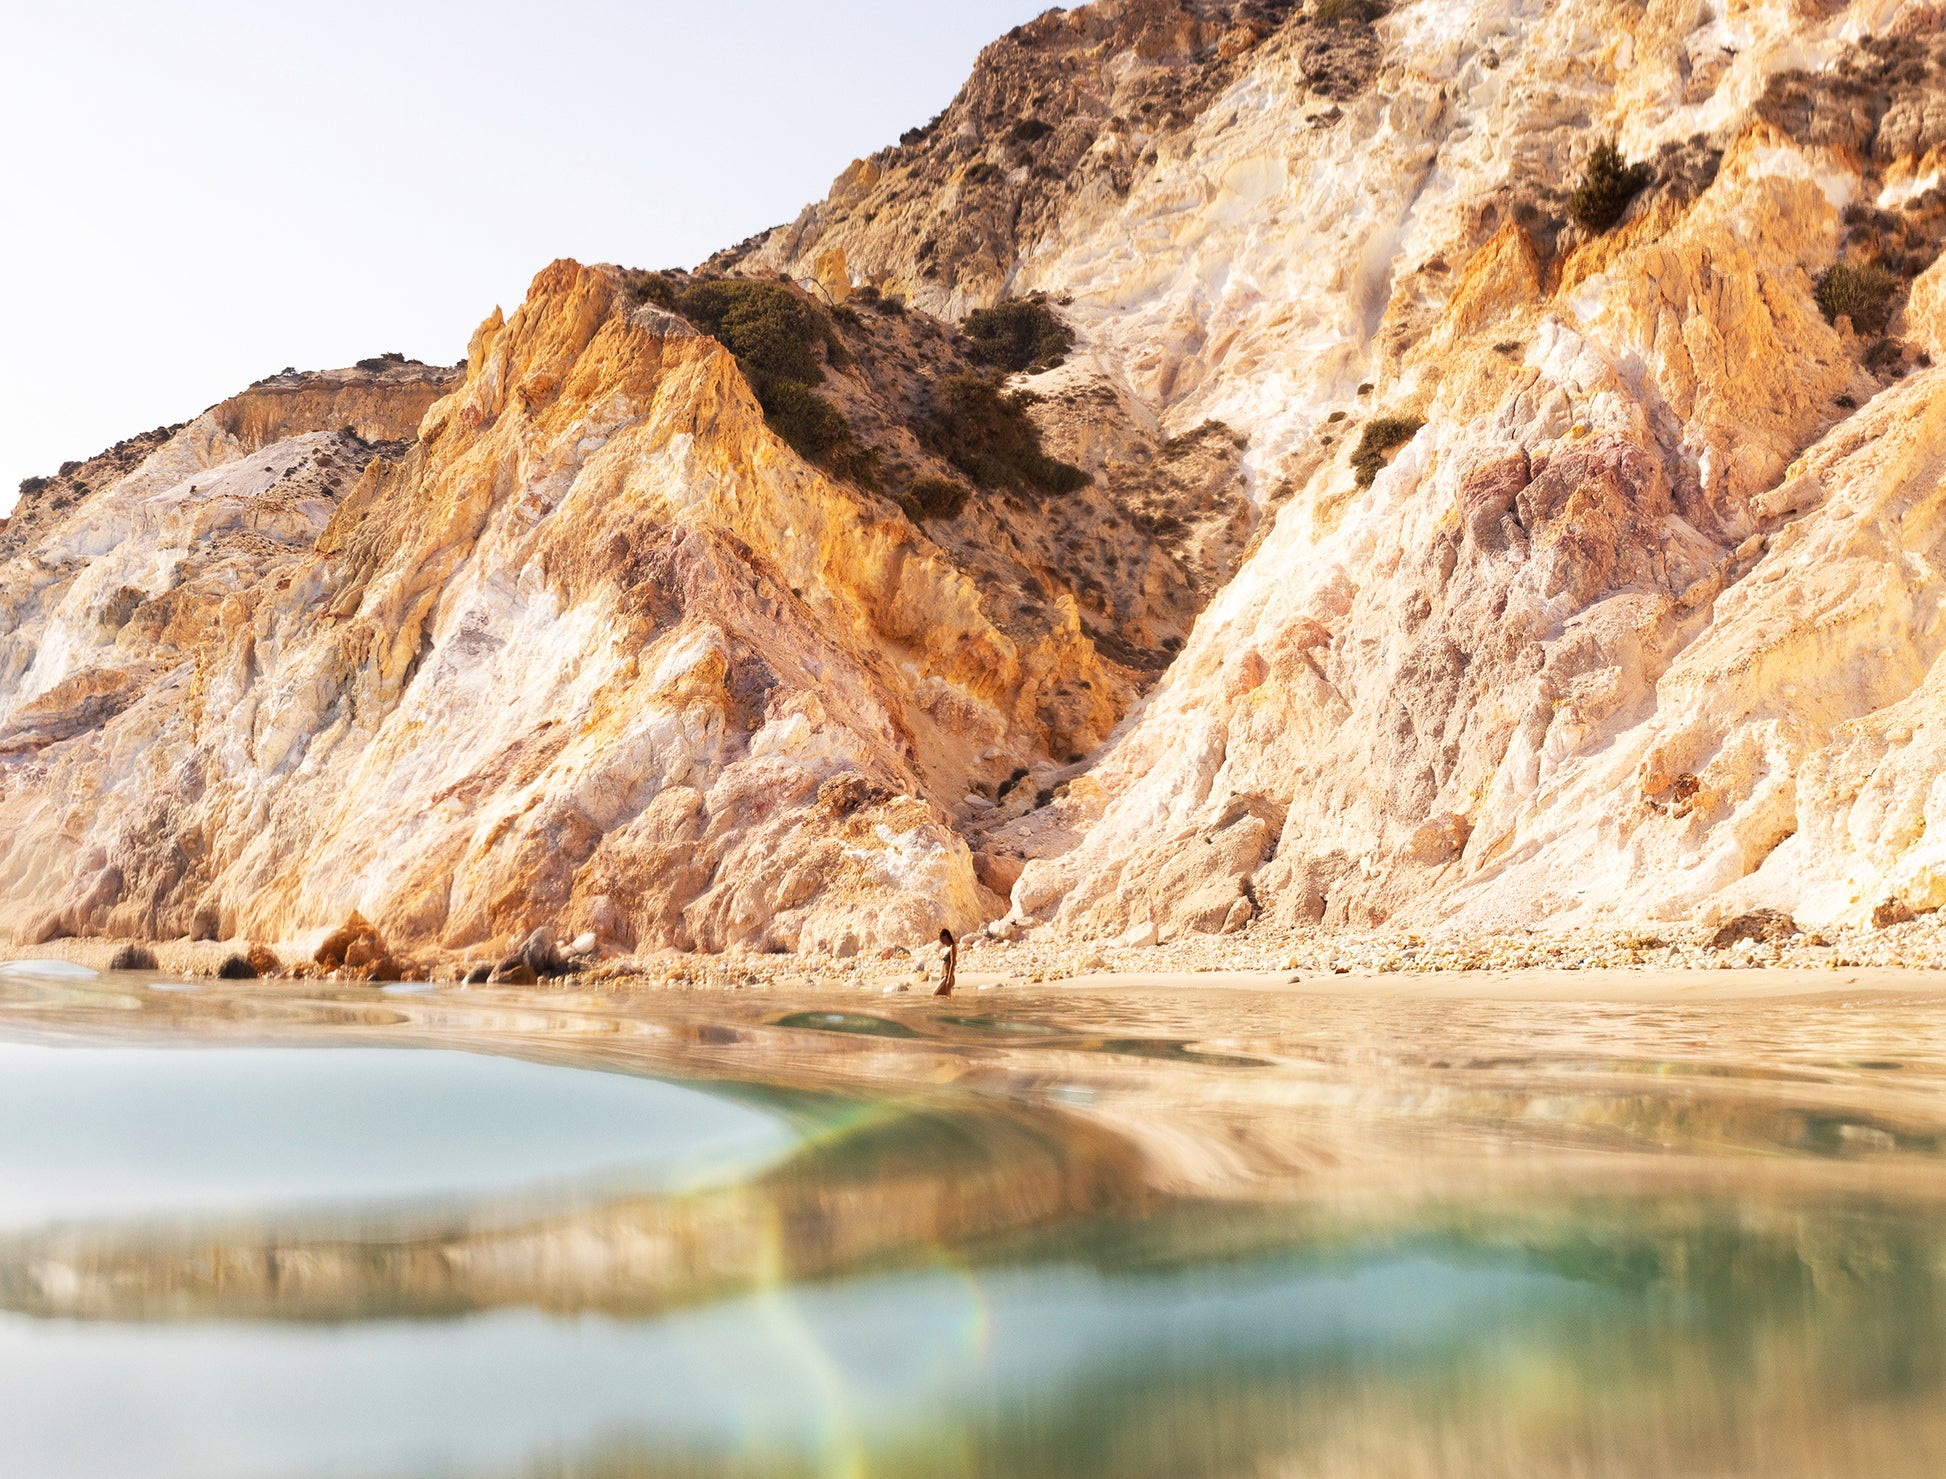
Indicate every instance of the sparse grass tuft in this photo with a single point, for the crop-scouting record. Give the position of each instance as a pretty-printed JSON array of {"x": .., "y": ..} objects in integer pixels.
[{"x": 1862, "y": 294}]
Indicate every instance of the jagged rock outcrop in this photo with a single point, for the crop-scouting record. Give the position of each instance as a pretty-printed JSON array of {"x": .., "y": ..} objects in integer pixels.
[
  {"x": 1639, "y": 623},
  {"x": 593, "y": 649},
  {"x": 1553, "y": 554}
]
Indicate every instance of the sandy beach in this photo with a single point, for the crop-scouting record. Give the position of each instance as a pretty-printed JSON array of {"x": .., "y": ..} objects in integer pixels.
[{"x": 1197, "y": 967}]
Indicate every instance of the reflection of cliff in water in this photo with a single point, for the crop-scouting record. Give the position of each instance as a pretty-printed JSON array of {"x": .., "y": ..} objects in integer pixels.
[
  {"x": 1516, "y": 1328},
  {"x": 1612, "y": 1339},
  {"x": 943, "y": 1132},
  {"x": 880, "y": 1188},
  {"x": 1112, "y": 1236}
]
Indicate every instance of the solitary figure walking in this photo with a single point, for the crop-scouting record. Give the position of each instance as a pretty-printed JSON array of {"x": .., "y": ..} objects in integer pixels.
[{"x": 948, "y": 963}]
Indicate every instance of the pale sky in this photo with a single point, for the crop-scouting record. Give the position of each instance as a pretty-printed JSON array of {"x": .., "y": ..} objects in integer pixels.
[{"x": 194, "y": 195}]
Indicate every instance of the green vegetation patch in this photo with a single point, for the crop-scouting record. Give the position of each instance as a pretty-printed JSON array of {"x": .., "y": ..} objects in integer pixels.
[
  {"x": 1383, "y": 435},
  {"x": 1020, "y": 335},
  {"x": 774, "y": 333},
  {"x": 1862, "y": 294},
  {"x": 1607, "y": 185},
  {"x": 776, "y": 336},
  {"x": 658, "y": 288},
  {"x": 988, "y": 435}
]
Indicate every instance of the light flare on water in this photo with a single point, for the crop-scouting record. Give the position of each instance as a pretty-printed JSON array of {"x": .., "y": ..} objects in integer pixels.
[{"x": 300, "y": 1232}]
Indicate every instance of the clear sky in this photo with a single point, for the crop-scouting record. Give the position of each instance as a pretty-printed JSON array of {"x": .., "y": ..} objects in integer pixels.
[{"x": 196, "y": 193}]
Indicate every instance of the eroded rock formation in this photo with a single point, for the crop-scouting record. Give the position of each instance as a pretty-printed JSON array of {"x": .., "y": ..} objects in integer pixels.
[
  {"x": 584, "y": 645},
  {"x": 1453, "y": 549}
]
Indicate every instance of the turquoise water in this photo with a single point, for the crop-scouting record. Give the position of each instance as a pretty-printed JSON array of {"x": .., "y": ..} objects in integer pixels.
[
  {"x": 89, "y": 1133},
  {"x": 255, "y": 1235},
  {"x": 824, "y": 1376}
]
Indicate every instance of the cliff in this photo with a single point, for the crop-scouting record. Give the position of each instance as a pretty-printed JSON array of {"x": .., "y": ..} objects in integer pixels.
[
  {"x": 581, "y": 644},
  {"x": 1474, "y": 530}
]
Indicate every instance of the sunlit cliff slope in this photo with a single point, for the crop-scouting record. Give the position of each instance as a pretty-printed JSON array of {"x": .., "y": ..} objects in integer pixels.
[{"x": 1411, "y": 537}]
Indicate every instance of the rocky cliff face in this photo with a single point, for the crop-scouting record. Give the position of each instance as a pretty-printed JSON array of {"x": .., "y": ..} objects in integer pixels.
[
  {"x": 573, "y": 640},
  {"x": 1516, "y": 553}
]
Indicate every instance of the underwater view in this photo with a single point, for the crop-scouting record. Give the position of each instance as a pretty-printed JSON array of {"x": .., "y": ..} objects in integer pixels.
[{"x": 247, "y": 1233}]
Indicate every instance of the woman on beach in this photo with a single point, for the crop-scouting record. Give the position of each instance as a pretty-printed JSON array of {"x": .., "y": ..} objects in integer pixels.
[{"x": 948, "y": 963}]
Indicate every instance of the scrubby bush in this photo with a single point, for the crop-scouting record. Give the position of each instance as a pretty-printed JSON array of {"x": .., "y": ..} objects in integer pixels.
[
  {"x": 805, "y": 419},
  {"x": 989, "y": 436},
  {"x": 30, "y": 486},
  {"x": 1021, "y": 335},
  {"x": 1382, "y": 436},
  {"x": 1862, "y": 294},
  {"x": 1608, "y": 184},
  {"x": 919, "y": 135},
  {"x": 656, "y": 287},
  {"x": 934, "y": 498},
  {"x": 775, "y": 335}
]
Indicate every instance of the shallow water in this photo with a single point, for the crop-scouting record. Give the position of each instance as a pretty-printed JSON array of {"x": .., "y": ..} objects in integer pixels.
[{"x": 267, "y": 1232}]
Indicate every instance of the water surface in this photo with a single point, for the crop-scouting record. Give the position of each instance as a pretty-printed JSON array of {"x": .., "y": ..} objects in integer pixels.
[{"x": 263, "y": 1233}]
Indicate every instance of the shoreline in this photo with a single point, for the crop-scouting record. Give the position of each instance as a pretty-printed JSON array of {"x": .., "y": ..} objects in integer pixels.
[{"x": 998, "y": 967}]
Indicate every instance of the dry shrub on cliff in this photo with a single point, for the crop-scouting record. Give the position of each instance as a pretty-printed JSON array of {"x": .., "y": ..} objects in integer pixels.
[
  {"x": 934, "y": 498},
  {"x": 1862, "y": 294},
  {"x": 989, "y": 436},
  {"x": 775, "y": 334},
  {"x": 658, "y": 288},
  {"x": 1607, "y": 185},
  {"x": 805, "y": 419},
  {"x": 1383, "y": 435},
  {"x": 1020, "y": 335}
]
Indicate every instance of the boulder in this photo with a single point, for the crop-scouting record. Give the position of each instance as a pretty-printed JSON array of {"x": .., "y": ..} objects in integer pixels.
[
  {"x": 998, "y": 872},
  {"x": 1764, "y": 926},
  {"x": 541, "y": 956},
  {"x": 133, "y": 958},
  {"x": 265, "y": 960},
  {"x": 1891, "y": 912},
  {"x": 356, "y": 931},
  {"x": 360, "y": 951}
]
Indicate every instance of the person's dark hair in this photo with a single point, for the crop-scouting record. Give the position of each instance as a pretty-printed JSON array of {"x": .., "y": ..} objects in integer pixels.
[{"x": 946, "y": 937}]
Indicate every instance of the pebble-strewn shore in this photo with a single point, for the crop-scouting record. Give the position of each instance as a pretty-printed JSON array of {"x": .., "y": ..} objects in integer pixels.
[
  {"x": 1307, "y": 954},
  {"x": 1919, "y": 944}
]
